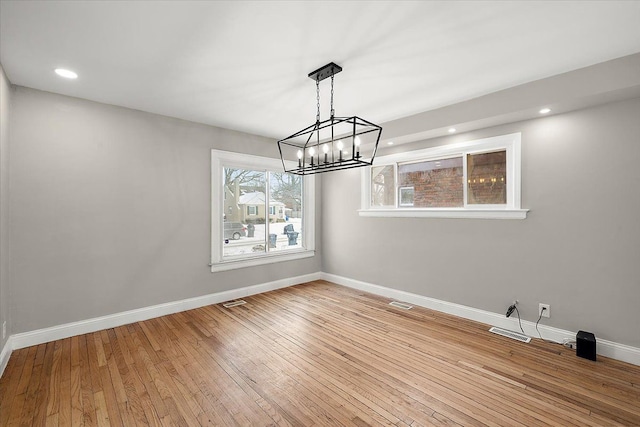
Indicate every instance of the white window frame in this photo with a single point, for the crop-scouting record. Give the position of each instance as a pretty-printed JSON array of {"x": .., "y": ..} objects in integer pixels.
[
  {"x": 220, "y": 160},
  {"x": 511, "y": 210},
  {"x": 252, "y": 210}
]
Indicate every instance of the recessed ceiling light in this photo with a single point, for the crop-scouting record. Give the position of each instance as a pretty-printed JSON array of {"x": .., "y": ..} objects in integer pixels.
[
  {"x": 545, "y": 110},
  {"x": 452, "y": 130},
  {"x": 67, "y": 74},
  {"x": 390, "y": 143}
]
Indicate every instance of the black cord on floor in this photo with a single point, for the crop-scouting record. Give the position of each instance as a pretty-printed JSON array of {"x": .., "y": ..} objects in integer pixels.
[
  {"x": 519, "y": 322},
  {"x": 539, "y": 317},
  {"x": 544, "y": 339}
]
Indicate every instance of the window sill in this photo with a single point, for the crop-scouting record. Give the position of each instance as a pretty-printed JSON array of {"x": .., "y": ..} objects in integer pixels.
[
  {"x": 264, "y": 259},
  {"x": 446, "y": 213}
]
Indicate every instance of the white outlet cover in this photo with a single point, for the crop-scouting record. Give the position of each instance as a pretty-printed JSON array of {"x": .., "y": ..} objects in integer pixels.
[{"x": 547, "y": 312}]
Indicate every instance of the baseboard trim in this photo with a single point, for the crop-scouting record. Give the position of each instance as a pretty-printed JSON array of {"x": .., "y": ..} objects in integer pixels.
[
  {"x": 5, "y": 354},
  {"x": 605, "y": 348},
  {"x": 67, "y": 330}
]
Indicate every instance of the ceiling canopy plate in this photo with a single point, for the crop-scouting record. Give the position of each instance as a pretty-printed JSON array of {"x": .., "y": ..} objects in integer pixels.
[{"x": 331, "y": 69}]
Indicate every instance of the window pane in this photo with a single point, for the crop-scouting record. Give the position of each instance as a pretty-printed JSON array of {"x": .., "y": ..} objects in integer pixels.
[
  {"x": 435, "y": 183},
  {"x": 285, "y": 209},
  {"x": 487, "y": 178},
  {"x": 406, "y": 196},
  {"x": 382, "y": 186},
  {"x": 244, "y": 212}
]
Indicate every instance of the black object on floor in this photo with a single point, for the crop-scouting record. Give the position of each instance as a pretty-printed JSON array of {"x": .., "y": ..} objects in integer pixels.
[{"x": 586, "y": 345}]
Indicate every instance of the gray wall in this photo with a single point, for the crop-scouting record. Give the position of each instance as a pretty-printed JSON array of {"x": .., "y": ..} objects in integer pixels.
[
  {"x": 5, "y": 104},
  {"x": 110, "y": 210},
  {"x": 578, "y": 250}
]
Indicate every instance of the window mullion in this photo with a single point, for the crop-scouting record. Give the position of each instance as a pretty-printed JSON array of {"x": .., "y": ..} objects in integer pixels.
[
  {"x": 510, "y": 177},
  {"x": 220, "y": 224},
  {"x": 465, "y": 181},
  {"x": 267, "y": 221},
  {"x": 396, "y": 186}
]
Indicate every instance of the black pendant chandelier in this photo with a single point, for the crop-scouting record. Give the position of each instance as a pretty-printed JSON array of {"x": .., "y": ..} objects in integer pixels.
[{"x": 333, "y": 144}]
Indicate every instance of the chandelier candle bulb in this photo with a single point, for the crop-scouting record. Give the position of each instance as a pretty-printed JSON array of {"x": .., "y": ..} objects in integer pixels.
[
  {"x": 356, "y": 142},
  {"x": 340, "y": 147},
  {"x": 312, "y": 152},
  {"x": 299, "y": 158},
  {"x": 325, "y": 150}
]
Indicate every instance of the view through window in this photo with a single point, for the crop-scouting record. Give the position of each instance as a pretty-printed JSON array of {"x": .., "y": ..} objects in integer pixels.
[
  {"x": 262, "y": 212},
  {"x": 486, "y": 178},
  {"x": 434, "y": 184}
]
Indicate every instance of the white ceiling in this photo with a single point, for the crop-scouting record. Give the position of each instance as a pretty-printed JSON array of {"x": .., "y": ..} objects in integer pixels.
[{"x": 244, "y": 65}]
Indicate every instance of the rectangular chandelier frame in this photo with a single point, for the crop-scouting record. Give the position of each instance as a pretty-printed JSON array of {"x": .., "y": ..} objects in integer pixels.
[{"x": 334, "y": 158}]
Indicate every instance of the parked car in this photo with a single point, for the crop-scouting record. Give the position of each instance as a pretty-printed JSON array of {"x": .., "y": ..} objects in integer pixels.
[{"x": 234, "y": 230}]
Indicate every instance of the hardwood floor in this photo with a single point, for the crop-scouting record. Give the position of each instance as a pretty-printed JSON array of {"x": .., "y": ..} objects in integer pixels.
[{"x": 313, "y": 354}]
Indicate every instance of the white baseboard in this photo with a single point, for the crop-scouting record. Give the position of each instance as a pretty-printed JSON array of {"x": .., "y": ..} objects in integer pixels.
[
  {"x": 67, "y": 330},
  {"x": 5, "y": 354},
  {"x": 605, "y": 348}
]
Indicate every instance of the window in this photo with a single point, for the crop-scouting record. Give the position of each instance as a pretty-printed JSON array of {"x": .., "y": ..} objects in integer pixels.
[
  {"x": 476, "y": 179},
  {"x": 259, "y": 213},
  {"x": 486, "y": 178},
  {"x": 383, "y": 192},
  {"x": 434, "y": 183}
]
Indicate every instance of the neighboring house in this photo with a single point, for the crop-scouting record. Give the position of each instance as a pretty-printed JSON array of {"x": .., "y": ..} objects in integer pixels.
[
  {"x": 231, "y": 208},
  {"x": 251, "y": 207}
]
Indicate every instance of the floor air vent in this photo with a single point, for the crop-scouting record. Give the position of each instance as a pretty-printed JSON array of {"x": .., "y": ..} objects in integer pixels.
[
  {"x": 401, "y": 305},
  {"x": 510, "y": 334},
  {"x": 234, "y": 303}
]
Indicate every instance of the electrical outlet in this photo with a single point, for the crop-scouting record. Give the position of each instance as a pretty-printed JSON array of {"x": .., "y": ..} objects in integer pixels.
[
  {"x": 4, "y": 329},
  {"x": 546, "y": 312}
]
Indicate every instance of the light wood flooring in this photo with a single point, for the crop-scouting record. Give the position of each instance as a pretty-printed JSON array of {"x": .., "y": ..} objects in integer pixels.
[{"x": 313, "y": 354}]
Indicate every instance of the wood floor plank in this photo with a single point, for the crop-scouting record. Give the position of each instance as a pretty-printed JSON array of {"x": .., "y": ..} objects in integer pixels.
[
  {"x": 102, "y": 414},
  {"x": 86, "y": 386},
  {"x": 22, "y": 363},
  {"x": 53, "y": 405},
  {"x": 75, "y": 396},
  {"x": 65, "y": 404},
  {"x": 75, "y": 383},
  {"x": 153, "y": 405},
  {"x": 315, "y": 354},
  {"x": 36, "y": 411}
]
